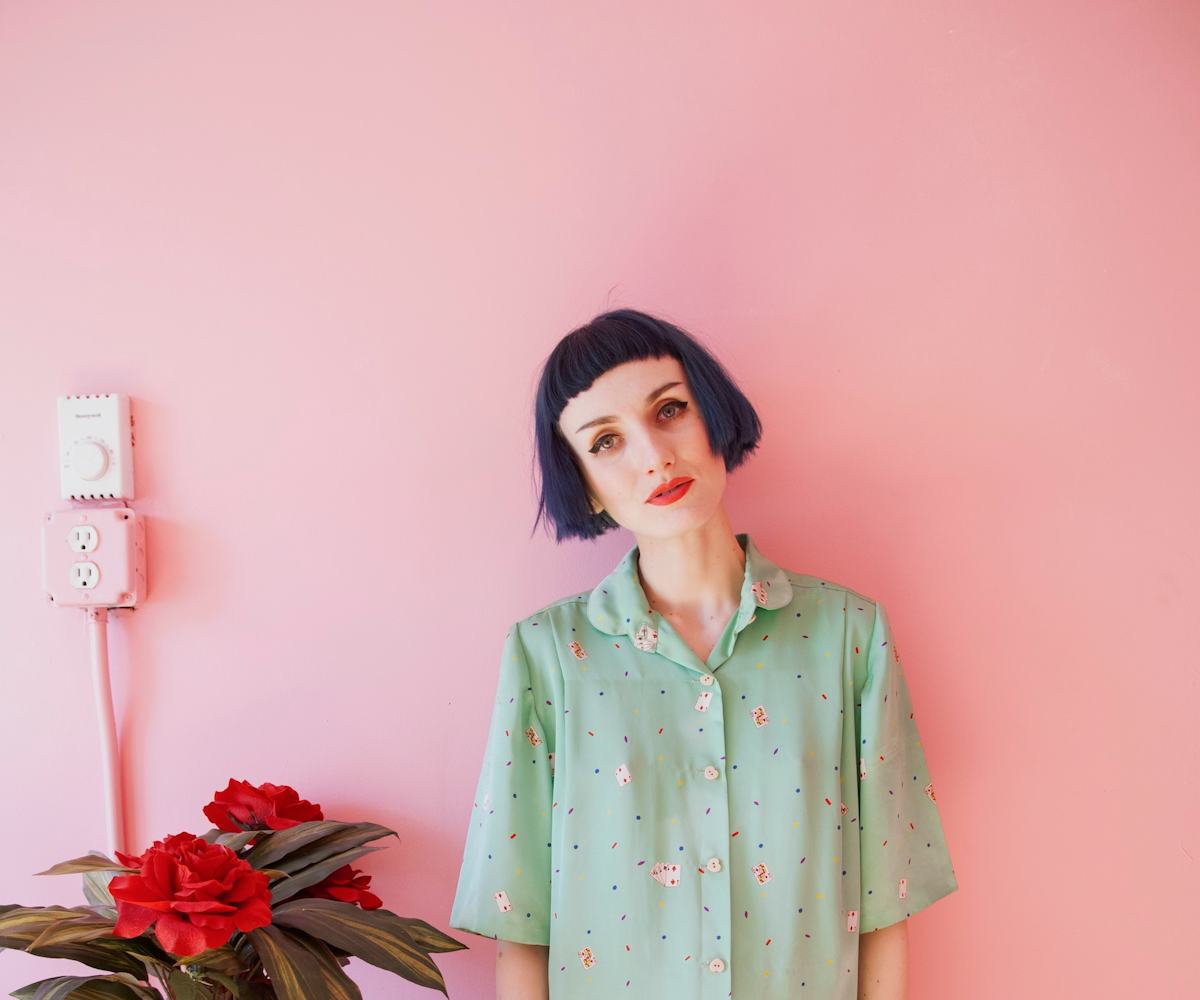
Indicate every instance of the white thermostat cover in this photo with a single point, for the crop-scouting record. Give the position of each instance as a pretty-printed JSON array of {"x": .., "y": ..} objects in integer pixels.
[{"x": 95, "y": 444}]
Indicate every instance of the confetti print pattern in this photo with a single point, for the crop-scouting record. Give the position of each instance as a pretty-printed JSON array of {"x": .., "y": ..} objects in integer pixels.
[{"x": 680, "y": 828}]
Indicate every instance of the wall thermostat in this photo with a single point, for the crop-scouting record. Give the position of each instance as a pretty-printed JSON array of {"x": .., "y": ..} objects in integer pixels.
[{"x": 95, "y": 444}]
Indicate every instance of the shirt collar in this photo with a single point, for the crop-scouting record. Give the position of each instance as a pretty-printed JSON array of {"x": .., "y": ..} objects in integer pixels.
[{"x": 618, "y": 605}]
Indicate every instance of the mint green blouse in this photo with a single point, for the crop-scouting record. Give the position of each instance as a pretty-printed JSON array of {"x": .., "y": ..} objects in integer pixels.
[{"x": 674, "y": 828}]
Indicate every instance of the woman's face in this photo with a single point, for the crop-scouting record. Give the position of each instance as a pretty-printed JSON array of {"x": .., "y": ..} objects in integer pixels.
[{"x": 635, "y": 428}]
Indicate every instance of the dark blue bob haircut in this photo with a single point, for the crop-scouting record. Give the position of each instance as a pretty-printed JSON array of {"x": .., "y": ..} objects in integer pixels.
[{"x": 586, "y": 353}]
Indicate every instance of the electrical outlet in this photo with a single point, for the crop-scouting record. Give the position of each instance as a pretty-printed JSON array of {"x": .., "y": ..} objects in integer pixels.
[
  {"x": 83, "y": 538},
  {"x": 109, "y": 574},
  {"x": 84, "y": 575}
]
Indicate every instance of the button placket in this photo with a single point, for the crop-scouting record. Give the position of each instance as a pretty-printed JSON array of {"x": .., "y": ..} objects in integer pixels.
[
  {"x": 619, "y": 607},
  {"x": 715, "y": 916}
]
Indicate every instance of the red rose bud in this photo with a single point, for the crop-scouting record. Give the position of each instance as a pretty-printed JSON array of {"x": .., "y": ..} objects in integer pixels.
[
  {"x": 347, "y": 885},
  {"x": 242, "y": 806},
  {"x": 194, "y": 893}
]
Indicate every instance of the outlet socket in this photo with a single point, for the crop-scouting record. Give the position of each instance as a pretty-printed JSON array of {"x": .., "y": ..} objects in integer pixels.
[
  {"x": 84, "y": 575},
  {"x": 83, "y": 538}
]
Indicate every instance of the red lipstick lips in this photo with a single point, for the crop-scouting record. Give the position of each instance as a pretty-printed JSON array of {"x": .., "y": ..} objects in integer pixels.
[{"x": 671, "y": 491}]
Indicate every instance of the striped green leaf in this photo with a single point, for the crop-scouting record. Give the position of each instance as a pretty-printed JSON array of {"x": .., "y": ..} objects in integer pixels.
[
  {"x": 234, "y": 841},
  {"x": 308, "y": 843},
  {"x": 20, "y": 927},
  {"x": 87, "y": 863},
  {"x": 298, "y": 970},
  {"x": 315, "y": 873},
  {"x": 376, "y": 936},
  {"x": 427, "y": 937},
  {"x": 116, "y": 987},
  {"x": 87, "y": 926}
]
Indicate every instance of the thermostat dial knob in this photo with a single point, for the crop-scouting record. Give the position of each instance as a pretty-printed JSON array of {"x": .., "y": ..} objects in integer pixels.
[{"x": 90, "y": 459}]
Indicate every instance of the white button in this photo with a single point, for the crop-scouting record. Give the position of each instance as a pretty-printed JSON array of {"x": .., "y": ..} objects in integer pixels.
[
  {"x": 706, "y": 679},
  {"x": 714, "y": 864},
  {"x": 711, "y": 772},
  {"x": 716, "y": 965}
]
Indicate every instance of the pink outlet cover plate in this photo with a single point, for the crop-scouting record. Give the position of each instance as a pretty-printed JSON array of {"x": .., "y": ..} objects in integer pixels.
[{"x": 115, "y": 547}]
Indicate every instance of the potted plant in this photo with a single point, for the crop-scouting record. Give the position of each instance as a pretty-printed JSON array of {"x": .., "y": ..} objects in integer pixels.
[{"x": 265, "y": 906}]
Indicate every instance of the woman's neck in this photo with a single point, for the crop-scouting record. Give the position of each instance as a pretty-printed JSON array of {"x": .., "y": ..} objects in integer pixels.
[{"x": 696, "y": 576}]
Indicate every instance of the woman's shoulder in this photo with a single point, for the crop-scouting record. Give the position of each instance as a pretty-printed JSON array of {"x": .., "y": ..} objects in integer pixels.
[
  {"x": 540, "y": 627},
  {"x": 805, "y": 584},
  {"x": 562, "y": 607}
]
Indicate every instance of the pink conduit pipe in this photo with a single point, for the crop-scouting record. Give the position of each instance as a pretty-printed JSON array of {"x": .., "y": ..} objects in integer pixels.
[{"x": 102, "y": 689}]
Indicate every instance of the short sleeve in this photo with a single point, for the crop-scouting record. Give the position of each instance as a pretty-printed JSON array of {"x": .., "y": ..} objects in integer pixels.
[
  {"x": 504, "y": 882},
  {"x": 904, "y": 861}
]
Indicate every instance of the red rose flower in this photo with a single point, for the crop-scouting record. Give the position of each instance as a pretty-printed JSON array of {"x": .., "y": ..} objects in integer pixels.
[
  {"x": 242, "y": 806},
  {"x": 347, "y": 885},
  {"x": 196, "y": 894}
]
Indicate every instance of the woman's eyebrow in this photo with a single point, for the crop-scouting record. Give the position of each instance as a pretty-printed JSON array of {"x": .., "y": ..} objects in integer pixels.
[{"x": 649, "y": 399}]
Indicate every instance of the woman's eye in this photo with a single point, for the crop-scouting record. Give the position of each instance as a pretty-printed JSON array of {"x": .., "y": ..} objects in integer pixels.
[
  {"x": 678, "y": 404},
  {"x": 596, "y": 447}
]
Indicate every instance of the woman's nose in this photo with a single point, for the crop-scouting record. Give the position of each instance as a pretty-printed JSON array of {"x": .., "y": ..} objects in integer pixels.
[{"x": 655, "y": 452}]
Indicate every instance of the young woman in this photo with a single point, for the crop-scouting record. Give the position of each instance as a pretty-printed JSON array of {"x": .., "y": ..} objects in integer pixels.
[{"x": 703, "y": 777}]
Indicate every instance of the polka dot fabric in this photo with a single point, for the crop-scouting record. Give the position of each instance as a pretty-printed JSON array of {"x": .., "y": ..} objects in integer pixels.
[{"x": 678, "y": 828}]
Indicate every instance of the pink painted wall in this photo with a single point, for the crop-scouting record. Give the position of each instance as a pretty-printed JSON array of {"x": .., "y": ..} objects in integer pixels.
[{"x": 949, "y": 250}]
